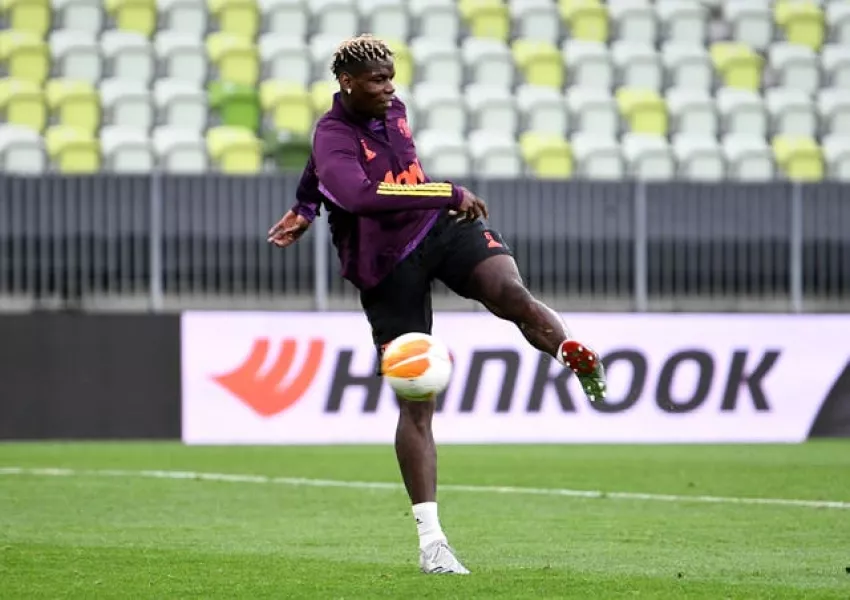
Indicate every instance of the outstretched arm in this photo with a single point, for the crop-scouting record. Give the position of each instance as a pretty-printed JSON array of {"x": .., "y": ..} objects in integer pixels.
[{"x": 342, "y": 180}]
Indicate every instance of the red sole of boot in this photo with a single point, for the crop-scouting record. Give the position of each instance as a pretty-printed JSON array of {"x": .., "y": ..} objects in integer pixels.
[{"x": 581, "y": 359}]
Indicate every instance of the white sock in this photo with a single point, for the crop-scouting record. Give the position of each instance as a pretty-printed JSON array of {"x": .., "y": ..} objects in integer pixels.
[{"x": 427, "y": 523}]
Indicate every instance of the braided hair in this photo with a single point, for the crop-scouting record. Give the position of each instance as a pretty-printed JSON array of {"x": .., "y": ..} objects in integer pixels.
[{"x": 357, "y": 51}]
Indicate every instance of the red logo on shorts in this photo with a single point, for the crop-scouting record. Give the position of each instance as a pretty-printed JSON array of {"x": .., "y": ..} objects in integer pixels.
[{"x": 491, "y": 243}]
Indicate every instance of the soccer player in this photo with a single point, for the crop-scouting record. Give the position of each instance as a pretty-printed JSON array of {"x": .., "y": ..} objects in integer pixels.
[{"x": 395, "y": 231}]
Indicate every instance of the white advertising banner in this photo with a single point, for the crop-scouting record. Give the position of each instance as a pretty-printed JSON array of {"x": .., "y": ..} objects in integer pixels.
[{"x": 308, "y": 378}]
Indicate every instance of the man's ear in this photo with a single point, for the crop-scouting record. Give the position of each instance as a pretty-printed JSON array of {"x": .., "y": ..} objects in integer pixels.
[{"x": 345, "y": 82}]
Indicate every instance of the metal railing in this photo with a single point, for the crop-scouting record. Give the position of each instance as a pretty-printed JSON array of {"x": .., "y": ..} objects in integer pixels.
[{"x": 165, "y": 242}]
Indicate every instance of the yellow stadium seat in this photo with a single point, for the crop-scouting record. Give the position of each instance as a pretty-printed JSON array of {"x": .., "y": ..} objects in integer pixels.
[
  {"x": 235, "y": 149},
  {"x": 25, "y": 55},
  {"x": 404, "y": 64},
  {"x": 549, "y": 156},
  {"x": 800, "y": 158},
  {"x": 235, "y": 56},
  {"x": 32, "y": 16},
  {"x": 586, "y": 19},
  {"x": 239, "y": 17},
  {"x": 738, "y": 65},
  {"x": 290, "y": 104},
  {"x": 540, "y": 63},
  {"x": 22, "y": 103},
  {"x": 486, "y": 18},
  {"x": 803, "y": 23},
  {"x": 72, "y": 150},
  {"x": 322, "y": 94},
  {"x": 76, "y": 103},
  {"x": 644, "y": 110},
  {"x": 134, "y": 15}
]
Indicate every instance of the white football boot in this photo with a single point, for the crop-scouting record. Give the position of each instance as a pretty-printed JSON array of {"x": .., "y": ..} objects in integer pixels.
[{"x": 439, "y": 558}]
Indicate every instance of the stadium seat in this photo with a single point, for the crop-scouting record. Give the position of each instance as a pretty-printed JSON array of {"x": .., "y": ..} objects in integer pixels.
[
  {"x": 437, "y": 60},
  {"x": 751, "y": 22},
  {"x": 682, "y": 21},
  {"x": 800, "y": 158},
  {"x": 585, "y": 19},
  {"x": 129, "y": 54},
  {"x": 748, "y": 158},
  {"x": 76, "y": 55},
  {"x": 285, "y": 58},
  {"x": 234, "y": 149},
  {"x": 539, "y": 62},
  {"x": 802, "y": 22},
  {"x": 588, "y": 64},
  {"x": 288, "y": 18},
  {"x": 237, "y": 105},
  {"x": 134, "y": 15},
  {"x": 543, "y": 109},
  {"x": 492, "y": 108},
  {"x": 180, "y": 150},
  {"x": 127, "y": 103},
  {"x": 494, "y": 155},
  {"x": 742, "y": 112},
  {"x": 737, "y": 65},
  {"x": 31, "y": 16},
  {"x": 834, "y": 108},
  {"x": 488, "y": 62},
  {"x": 595, "y": 111},
  {"x": 290, "y": 153},
  {"x": 437, "y": 19},
  {"x": 643, "y": 110},
  {"x": 443, "y": 153},
  {"x": 238, "y": 17},
  {"x": 75, "y": 103},
  {"x": 385, "y": 18},
  {"x": 440, "y": 107},
  {"x": 72, "y": 150},
  {"x": 687, "y": 66},
  {"x": 648, "y": 157},
  {"x": 486, "y": 18},
  {"x": 236, "y": 58},
  {"x": 549, "y": 156},
  {"x": 536, "y": 19},
  {"x": 25, "y": 56},
  {"x": 322, "y": 49},
  {"x": 797, "y": 66},
  {"x": 835, "y": 60},
  {"x": 21, "y": 150},
  {"x": 126, "y": 150},
  {"x": 78, "y": 15},
  {"x": 22, "y": 103},
  {"x": 838, "y": 22},
  {"x": 637, "y": 65},
  {"x": 180, "y": 105},
  {"x": 188, "y": 17},
  {"x": 698, "y": 158},
  {"x": 597, "y": 157},
  {"x": 792, "y": 112},
  {"x": 322, "y": 95},
  {"x": 692, "y": 112},
  {"x": 338, "y": 18},
  {"x": 183, "y": 57},
  {"x": 634, "y": 20},
  {"x": 405, "y": 66},
  {"x": 836, "y": 154},
  {"x": 289, "y": 105}
]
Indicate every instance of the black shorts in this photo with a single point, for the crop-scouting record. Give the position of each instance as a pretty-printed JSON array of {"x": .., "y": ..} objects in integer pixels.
[{"x": 401, "y": 302}]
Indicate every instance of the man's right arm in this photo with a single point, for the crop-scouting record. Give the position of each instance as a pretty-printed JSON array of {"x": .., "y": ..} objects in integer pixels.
[{"x": 344, "y": 181}]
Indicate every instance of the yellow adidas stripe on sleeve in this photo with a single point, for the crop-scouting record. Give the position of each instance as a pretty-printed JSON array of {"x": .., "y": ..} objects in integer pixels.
[{"x": 423, "y": 189}]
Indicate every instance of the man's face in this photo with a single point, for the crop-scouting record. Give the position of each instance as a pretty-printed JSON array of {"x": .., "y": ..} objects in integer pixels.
[{"x": 372, "y": 89}]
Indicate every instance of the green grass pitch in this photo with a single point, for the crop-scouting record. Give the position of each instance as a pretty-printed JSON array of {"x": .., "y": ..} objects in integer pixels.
[{"x": 88, "y": 534}]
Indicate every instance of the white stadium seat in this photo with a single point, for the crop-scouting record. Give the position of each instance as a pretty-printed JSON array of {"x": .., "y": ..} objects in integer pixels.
[
  {"x": 79, "y": 15},
  {"x": 339, "y": 18},
  {"x": 182, "y": 56},
  {"x": 180, "y": 105},
  {"x": 638, "y": 65},
  {"x": 127, "y": 103},
  {"x": 189, "y": 17},
  {"x": 835, "y": 63},
  {"x": 834, "y": 108},
  {"x": 634, "y": 20},
  {"x": 791, "y": 112},
  {"x": 126, "y": 150},
  {"x": 286, "y": 58},
  {"x": 492, "y": 108},
  {"x": 436, "y": 19},
  {"x": 21, "y": 150},
  {"x": 180, "y": 150},
  {"x": 751, "y": 22},
  {"x": 77, "y": 55},
  {"x": 437, "y": 60},
  {"x": 748, "y": 158},
  {"x": 836, "y": 152},
  {"x": 798, "y": 66},
  {"x": 687, "y": 66},
  {"x": 698, "y": 158},
  {"x": 742, "y": 112},
  {"x": 443, "y": 153},
  {"x": 543, "y": 109},
  {"x": 648, "y": 157},
  {"x": 693, "y": 111},
  {"x": 536, "y": 19},
  {"x": 594, "y": 110},
  {"x": 598, "y": 156},
  {"x": 588, "y": 64},
  {"x": 682, "y": 21},
  {"x": 488, "y": 62},
  {"x": 129, "y": 54},
  {"x": 494, "y": 154},
  {"x": 440, "y": 107},
  {"x": 386, "y": 18}
]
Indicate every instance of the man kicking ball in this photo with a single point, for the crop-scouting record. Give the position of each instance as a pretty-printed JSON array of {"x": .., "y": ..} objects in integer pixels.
[{"x": 395, "y": 232}]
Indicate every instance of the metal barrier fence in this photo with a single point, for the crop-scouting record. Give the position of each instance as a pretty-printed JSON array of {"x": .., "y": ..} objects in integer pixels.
[{"x": 163, "y": 242}]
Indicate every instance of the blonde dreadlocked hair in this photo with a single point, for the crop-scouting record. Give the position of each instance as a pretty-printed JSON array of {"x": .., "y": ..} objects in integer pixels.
[{"x": 356, "y": 51}]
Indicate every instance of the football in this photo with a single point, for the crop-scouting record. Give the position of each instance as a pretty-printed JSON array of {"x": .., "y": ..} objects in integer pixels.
[{"x": 417, "y": 366}]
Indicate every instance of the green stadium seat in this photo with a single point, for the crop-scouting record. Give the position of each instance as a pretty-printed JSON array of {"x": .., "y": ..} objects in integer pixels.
[{"x": 237, "y": 105}]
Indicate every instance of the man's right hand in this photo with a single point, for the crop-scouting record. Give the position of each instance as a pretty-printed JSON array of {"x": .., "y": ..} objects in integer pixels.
[
  {"x": 288, "y": 230},
  {"x": 472, "y": 206}
]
